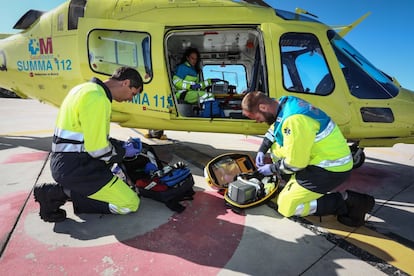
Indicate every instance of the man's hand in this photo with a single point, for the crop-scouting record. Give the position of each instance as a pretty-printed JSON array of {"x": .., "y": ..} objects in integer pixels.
[
  {"x": 136, "y": 142},
  {"x": 195, "y": 86},
  {"x": 265, "y": 169},
  {"x": 260, "y": 159},
  {"x": 269, "y": 169},
  {"x": 132, "y": 147}
]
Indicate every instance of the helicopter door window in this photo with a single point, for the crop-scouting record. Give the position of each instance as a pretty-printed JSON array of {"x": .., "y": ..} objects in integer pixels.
[
  {"x": 304, "y": 65},
  {"x": 109, "y": 49}
]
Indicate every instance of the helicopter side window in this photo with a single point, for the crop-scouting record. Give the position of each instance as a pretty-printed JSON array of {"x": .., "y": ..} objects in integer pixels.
[
  {"x": 110, "y": 49},
  {"x": 304, "y": 65},
  {"x": 76, "y": 10}
]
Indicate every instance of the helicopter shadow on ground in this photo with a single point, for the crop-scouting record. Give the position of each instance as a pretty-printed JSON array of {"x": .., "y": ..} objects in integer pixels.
[
  {"x": 392, "y": 185},
  {"x": 36, "y": 143}
]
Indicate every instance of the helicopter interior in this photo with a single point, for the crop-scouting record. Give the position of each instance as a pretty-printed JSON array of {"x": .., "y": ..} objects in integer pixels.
[{"x": 232, "y": 55}]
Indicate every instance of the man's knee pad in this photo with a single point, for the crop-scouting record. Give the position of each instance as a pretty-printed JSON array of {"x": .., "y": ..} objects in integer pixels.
[
  {"x": 286, "y": 206},
  {"x": 294, "y": 200},
  {"x": 120, "y": 198},
  {"x": 132, "y": 204},
  {"x": 127, "y": 206}
]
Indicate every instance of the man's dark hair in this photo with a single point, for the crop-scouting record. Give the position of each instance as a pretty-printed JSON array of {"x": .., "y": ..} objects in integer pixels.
[
  {"x": 187, "y": 53},
  {"x": 128, "y": 73},
  {"x": 252, "y": 100}
]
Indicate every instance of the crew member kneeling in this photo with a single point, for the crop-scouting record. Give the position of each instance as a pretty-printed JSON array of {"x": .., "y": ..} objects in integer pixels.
[
  {"x": 82, "y": 152},
  {"x": 310, "y": 149}
]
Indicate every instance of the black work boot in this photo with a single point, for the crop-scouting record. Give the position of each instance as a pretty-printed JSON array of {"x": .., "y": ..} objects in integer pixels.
[
  {"x": 50, "y": 197},
  {"x": 331, "y": 204},
  {"x": 358, "y": 205}
]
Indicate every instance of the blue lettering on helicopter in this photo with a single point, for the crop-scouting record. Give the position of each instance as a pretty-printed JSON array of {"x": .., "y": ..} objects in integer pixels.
[
  {"x": 44, "y": 65},
  {"x": 34, "y": 65},
  {"x": 156, "y": 101},
  {"x": 163, "y": 102},
  {"x": 41, "y": 57}
]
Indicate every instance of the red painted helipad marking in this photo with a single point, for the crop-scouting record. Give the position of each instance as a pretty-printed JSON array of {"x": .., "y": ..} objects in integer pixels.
[
  {"x": 10, "y": 207},
  {"x": 208, "y": 234},
  {"x": 367, "y": 178},
  {"x": 199, "y": 241},
  {"x": 26, "y": 157},
  {"x": 252, "y": 141}
]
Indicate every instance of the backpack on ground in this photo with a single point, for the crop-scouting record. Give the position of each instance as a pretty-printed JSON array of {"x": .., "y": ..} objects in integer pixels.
[
  {"x": 236, "y": 177},
  {"x": 169, "y": 184}
]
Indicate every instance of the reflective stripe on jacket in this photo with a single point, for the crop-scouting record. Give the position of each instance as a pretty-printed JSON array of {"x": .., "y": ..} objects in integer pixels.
[{"x": 186, "y": 76}]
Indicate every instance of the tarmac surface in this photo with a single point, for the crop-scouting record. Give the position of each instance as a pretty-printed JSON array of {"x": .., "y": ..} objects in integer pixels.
[{"x": 207, "y": 238}]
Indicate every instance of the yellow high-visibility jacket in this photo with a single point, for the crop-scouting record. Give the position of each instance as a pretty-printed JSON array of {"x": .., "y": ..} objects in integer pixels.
[
  {"x": 83, "y": 122},
  {"x": 305, "y": 135}
]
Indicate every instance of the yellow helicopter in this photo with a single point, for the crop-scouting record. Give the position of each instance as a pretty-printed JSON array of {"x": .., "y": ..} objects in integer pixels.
[{"x": 248, "y": 45}]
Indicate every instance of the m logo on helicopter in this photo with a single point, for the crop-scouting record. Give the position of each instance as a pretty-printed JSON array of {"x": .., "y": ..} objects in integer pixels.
[{"x": 40, "y": 46}]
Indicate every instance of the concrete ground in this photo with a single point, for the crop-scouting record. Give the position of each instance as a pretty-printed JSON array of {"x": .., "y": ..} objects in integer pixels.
[{"x": 207, "y": 238}]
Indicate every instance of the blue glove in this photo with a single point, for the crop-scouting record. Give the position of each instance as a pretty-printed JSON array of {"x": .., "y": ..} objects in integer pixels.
[
  {"x": 216, "y": 80},
  {"x": 137, "y": 143},
  {"x": 132, "y": 148},
  {"x": 260, "y": 159},
  {"x": 268, "y": 169},
  {"x": 195, "y": 86}
]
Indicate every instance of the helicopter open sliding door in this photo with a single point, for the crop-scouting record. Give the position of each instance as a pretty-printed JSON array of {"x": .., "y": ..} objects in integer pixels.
[{"x": 231, "y": 54}]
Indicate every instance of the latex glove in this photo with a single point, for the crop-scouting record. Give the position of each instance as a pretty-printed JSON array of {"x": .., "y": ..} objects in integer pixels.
[
  {"x": 268, "y": 169},
  {"x": 131, "y": 149},
  {"x": 216, "y": 80},
  {"x": 137, "y": 143},
  {"x": 260, "y": 159},
  {"x": 195, "y": 86}
]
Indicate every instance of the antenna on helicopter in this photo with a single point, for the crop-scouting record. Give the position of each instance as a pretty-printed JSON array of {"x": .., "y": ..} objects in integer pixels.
[
  {"x": 343, "y": 30},
  {"x": 302, "y": 11}
]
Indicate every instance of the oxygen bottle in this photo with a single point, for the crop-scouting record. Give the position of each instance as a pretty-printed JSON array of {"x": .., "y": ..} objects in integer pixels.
[{"x": 117, "y": 171}]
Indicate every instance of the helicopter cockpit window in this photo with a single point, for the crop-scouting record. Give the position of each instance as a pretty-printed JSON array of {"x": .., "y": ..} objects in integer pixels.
[
  {"x": 110, "y": 49},
  {"x": 304, "y": 66},
  {"x": 364, "y": 80}
]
